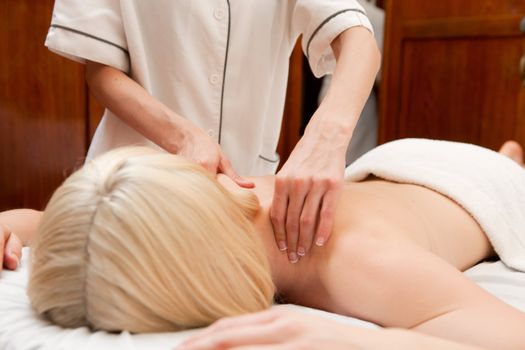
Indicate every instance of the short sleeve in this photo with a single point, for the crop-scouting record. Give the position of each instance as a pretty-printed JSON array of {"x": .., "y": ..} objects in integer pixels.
[
  {"x": 89, "y": 30},
  {"x": 320, "y": 22}
]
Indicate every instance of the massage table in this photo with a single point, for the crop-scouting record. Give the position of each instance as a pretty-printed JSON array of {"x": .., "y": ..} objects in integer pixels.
[{"x": 21, "y": 329}]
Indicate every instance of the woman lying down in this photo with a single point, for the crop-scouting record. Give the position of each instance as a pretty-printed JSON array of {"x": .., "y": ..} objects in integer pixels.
[{"x": 145, "y": 241}]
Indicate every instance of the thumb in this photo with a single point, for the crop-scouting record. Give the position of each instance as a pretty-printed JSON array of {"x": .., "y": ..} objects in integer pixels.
[
  {"x": 12, "y": 252},
  {"x": 226, "y": 168}
]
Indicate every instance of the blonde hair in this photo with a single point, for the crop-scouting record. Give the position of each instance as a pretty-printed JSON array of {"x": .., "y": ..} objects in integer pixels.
[{"x": 145, "y": 241}]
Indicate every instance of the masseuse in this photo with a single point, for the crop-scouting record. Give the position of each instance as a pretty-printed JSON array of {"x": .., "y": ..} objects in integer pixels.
[{"x": 206, "y": 79}]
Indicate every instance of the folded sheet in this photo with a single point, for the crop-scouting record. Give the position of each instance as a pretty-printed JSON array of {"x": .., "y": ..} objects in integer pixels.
[{"x": 491, "y": 187}]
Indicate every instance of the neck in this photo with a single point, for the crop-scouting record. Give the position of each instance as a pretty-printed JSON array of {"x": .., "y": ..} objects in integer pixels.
[{"x": 291, "y": 280}]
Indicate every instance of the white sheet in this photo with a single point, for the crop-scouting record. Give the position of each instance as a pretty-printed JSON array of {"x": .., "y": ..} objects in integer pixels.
[{"x": 21, "y": 330}]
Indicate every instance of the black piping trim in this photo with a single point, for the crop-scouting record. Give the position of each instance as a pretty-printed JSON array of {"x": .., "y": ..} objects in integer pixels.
[
  {"x": 224, "y": 71},
  {"x": 270, "y": 160},
  {"x": 89, "y": 36},
  {"x": 328, "y": 19}
]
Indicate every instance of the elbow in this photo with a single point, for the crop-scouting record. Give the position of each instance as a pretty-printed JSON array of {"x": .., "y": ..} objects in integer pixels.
[
  {"x": 373, "y": 51},
  {"x": 92, "y": 74},
  {"x": 97, "y": 75}
]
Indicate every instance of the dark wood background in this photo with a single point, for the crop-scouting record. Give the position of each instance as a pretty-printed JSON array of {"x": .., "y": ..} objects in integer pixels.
[
  {"x": 43, "y": 124},
  {"x": 452, "y": 71}
]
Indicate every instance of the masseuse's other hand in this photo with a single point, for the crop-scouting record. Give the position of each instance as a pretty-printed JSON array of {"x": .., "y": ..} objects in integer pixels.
[
  {"x": 10, "y": 248},
  {"x": 307, "y": 190},
  {"x": 200, "y": 148}
]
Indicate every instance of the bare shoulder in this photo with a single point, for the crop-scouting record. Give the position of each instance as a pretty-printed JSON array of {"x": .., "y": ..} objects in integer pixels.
[{"x": 353, "y": 268}]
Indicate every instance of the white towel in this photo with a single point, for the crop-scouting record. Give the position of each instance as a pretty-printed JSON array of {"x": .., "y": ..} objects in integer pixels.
[{"x": 491, "y": 187}]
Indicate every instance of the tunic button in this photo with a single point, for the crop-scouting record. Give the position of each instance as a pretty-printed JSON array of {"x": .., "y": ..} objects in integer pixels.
[
  {"x": 211, "y": 133},
  {"x": 219, "y": 14},
  {"x": 214, "y": 79}
]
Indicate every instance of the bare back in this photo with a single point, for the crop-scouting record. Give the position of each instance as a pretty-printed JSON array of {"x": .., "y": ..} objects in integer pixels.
[{"x": 412, "y": 212}]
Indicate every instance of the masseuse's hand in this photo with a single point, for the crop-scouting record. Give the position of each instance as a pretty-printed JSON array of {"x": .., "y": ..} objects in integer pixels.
[
  {"x": 310, "y": 183},
  {"x": 147, "y": 115},
  {"x": 200, "y": 148},
  {"x": 307, "y": 190},
  {"x": 10, "y": 248}
]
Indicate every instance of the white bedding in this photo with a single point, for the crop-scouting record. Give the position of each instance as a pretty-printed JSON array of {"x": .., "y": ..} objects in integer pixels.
[{"x": 21, "y": 330}]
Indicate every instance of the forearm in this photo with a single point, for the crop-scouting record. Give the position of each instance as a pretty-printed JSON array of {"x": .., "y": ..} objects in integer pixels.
[
  {"x": 136, "y": 107},
  {"x": 358, "y": 61},
  {"x": 281, "y": 328},
  {"x": 310, "y": 183},
  {"x": 406, "y": 339},
  {"x": 23, "y": 222}
]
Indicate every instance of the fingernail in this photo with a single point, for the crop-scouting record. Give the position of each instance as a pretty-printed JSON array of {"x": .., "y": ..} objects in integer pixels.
[
  {"x": 15, "y": 257},
  {"x": 301, "y": 251},
  {"x": 319, "y": 242},
  {"x": 293, "y": 258},
  {"x": 282, "y": 246}
]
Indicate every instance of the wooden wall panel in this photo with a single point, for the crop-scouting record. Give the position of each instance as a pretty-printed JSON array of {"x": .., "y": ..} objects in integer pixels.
[
  {"x": 469, "y": 98},
  {"x": 293, "y": 111},
  {"x": 451, "y": 71},
  {"x": 417, "y": 9},
  {"x": 42, "y": 107},
  {"x": 95, "y": 112}
]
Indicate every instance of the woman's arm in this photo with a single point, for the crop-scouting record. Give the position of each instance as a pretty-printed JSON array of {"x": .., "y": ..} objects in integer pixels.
[
  {"x": 310, "y": 182},
  {"x": 144, "y": 113},
  {"x": 17, "y": 228},
  {"x": 23, "y": 222},
  {"x": 284, "y": 329},
  {"x": 402, "y": 284}
]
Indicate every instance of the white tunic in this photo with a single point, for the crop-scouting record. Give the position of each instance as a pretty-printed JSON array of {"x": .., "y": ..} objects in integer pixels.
[{"x": 223, "y": 64}]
